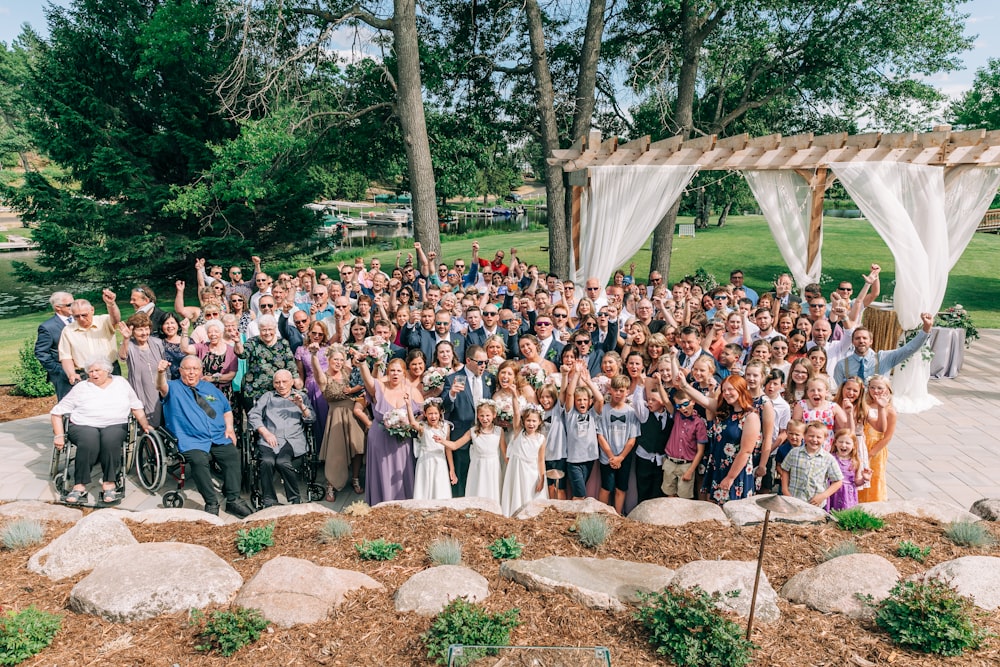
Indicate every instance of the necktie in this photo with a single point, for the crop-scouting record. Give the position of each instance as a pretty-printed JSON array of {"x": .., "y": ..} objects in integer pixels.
[
  {"x": 861, "y": 368},
  {"x": 69, "y": 320},
  {"x": 203, "y": 404}
]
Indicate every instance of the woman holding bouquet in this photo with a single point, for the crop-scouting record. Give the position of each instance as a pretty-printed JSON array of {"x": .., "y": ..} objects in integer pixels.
[
  {"x": 530, "y": 354},
  {"x": 343, "y": 442}
]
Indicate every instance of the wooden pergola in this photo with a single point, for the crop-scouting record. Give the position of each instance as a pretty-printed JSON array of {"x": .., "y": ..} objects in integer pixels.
[{"x": 806, "y": 154}]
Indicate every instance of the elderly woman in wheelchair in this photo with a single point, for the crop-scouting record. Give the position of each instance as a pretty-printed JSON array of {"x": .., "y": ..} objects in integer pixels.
[{"x": 98, "y": 412}]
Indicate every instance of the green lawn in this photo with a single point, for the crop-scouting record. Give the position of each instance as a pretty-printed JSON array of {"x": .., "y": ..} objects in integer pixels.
[{"x": 849, "y": 247}]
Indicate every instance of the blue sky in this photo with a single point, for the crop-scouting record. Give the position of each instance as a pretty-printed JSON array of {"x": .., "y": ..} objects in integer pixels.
[{"x": 984, "y": 19}]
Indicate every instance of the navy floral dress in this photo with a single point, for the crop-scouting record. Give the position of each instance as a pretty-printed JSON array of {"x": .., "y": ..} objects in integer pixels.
[{"x": 723, "y": 445}]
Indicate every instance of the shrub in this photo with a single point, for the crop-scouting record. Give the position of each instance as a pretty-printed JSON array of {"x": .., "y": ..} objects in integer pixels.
[
  {"x": 969, "y": 534},
  {"x": 357, "y": 508},
  {"x": 907, "y": 549},
  {"x": 25, "y": 633},
  {"x": 250, "y": 541},
  {"x": 378, "y": 549},
  {"x": 857, "y": 520},
  {"x": 592, "y": 530},
  {"x": 445, "y": 551},
  {"x": 22, "y": 533},
  {"x": 468, "y": 624},
  {"x": 930, "y": 617},
  {"x": 29, "y": 376},
  {"x": 844, "y": 548},
  {"x": 506, "y": 548},
  {"x": 685, "y": 626},
  {"x": 226, "y": 632},
  {"x": 334, "y": 529}
]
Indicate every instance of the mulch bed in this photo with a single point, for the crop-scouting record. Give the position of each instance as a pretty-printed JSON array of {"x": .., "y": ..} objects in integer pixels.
[
  {"x": 367, "y": 630},
  {"x": 18, "y": 407}
]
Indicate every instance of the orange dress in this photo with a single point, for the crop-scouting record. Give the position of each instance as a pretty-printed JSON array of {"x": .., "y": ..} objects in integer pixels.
[{"x": 877, "y": 490}]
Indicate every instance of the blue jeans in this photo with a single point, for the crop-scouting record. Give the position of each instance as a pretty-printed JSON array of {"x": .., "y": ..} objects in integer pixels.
[{"x": 577, "y": 473}]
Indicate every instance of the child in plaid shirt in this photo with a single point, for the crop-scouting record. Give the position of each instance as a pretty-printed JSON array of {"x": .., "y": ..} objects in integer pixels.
[{"x": 809, "y": 472}]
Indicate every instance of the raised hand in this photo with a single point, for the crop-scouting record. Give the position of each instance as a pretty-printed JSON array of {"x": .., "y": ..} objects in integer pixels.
[
  {"x": 163, "y": 365},
  {"x": 125, "y": 330}
]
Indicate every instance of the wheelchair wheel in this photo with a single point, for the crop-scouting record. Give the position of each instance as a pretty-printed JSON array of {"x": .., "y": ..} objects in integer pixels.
[
  {"x": 59, "y": 481},
  {"x": 54, "y": 462},
  {"x": 315, "y": 492},
  {"x": 173, "y": 499},
  {"x": 150, "y": 461}
]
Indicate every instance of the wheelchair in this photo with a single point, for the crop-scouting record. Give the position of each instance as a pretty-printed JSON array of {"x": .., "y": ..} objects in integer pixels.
[
  {"x": 156, "y": 456},
  {"x": 63, "y": 463},
  {"x": 306, "y": 465}
]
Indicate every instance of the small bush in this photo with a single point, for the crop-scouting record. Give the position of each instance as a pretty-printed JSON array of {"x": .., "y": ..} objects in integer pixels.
[
  {"x": 25, "y": 633},
  {"x": 929, "y": 617},
  {"x": 250, "y": 541},
  {"x": 857, "y": 520},
  {"x": 378, "y": 549},
  {"x": 226, "y": 632},
  {"x": 445, "y": 551},
  {"x": 686, "y": 627},
  {"x": 357, "y": 508},
  {"x": 334, "y": 529},
  {"x": 592, "y": 530},
  {"x": 844, "y": 548},
  {"x": 468, "y": 624},
  {"x": 29, "y": 376},
  {"x": 907, "y": 549},
  {"x": 22, "y": 533},
  {"x": 506, "y": 548},
  {"x": 969, "y": 534}
]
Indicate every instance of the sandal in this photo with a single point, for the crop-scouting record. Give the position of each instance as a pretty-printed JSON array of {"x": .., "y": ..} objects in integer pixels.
[
  {"x": 331, "y": 495},
  {"x": 109, "y": 496},
  {"x": 75, "y": 496},
  {"x": 357, "y": 486}
]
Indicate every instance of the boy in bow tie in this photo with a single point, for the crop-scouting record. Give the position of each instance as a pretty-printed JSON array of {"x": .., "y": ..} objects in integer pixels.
[{"x": 617, "y": 430}]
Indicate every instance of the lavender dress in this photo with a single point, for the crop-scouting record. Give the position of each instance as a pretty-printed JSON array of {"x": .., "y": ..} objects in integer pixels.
[
  {"x": 303, "y": 355},
  {"x": 389, "y": 461},
  {"x": 846, "y": 496}
]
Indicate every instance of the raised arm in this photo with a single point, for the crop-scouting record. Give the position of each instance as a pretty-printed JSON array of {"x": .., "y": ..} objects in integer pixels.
[{"x": 161, "y": 377}]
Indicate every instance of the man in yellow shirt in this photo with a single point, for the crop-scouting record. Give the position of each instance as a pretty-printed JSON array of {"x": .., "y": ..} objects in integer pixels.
[{"x": 89, "y": 336}]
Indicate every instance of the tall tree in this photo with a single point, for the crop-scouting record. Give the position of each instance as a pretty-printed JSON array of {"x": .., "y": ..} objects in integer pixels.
[{"x": 979, "y": 107}]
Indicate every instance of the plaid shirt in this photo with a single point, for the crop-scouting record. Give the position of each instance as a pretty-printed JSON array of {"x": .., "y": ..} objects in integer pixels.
[{"x": 809, "y": 474}]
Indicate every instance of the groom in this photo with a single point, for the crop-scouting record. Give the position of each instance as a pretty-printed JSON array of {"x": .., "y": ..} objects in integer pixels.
[{"x": 462, "y": 390}]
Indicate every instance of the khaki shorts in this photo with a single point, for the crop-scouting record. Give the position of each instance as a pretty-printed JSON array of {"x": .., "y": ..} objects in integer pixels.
[{"x": 673, "y": 485}]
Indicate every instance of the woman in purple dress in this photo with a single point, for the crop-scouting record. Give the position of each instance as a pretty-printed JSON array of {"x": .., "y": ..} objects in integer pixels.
[{"x": 317, "y": 334}]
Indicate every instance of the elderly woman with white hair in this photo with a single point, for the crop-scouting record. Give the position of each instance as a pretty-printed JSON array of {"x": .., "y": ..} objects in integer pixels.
[
  {"x": 265, "y": 354},
  {"x": 218, "y": 357},
  {"x": 98, "y": 412}
]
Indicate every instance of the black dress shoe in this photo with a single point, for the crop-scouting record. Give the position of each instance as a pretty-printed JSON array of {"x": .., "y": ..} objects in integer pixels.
[
  {"x": 238, "y": 508},
  {"x": 212, "y": 509}
]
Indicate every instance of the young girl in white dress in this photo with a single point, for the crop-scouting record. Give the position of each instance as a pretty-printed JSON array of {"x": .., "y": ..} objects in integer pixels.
[
  {"x": 435, "y": 471},
  {"x": 488, "y": 444},
  {"x": 525, "y": 478}
]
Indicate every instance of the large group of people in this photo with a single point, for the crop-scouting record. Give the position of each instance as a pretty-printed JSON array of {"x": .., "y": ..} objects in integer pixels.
[{"x": 490, "y": 377}]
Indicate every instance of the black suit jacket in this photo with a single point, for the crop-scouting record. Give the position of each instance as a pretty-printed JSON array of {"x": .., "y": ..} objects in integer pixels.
[
  {"x": 47, "y": 353},
  {"x": 461, "y": 411}
]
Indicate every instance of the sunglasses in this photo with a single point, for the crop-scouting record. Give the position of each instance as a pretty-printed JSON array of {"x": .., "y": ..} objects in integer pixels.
[
  {"x": 543, "y": 324},
  {"x": 581, "y": 342},
  {"x": 682, "y": 405},
  {"x": 479, "y": 362},
  {"x": 487, "y": 314},
  {"x": 560, "y": 316},
  {"x": 266, "y": 305}
]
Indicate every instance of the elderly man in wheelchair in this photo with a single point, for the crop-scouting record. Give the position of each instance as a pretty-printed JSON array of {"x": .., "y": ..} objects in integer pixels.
[{"x": 98, "y": 412}]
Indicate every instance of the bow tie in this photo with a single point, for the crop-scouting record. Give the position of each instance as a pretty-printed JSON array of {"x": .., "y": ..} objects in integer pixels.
[
  {"x": 619, "y": 418},
  {"x": 548, "y": 419},
  {"x": 582, "y": 419}
]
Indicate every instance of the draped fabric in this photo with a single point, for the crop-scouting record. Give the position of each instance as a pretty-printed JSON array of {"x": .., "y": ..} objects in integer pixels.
[
  {"x": 785, "y": 200},
  {"x": 618, "y": 212},
  {"x": 969, "y": 191}
]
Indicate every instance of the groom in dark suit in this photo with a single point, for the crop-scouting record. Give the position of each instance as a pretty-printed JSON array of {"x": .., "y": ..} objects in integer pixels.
[
  {"x": 461, "y": 391},
  {"x": 47, "y": 343}
]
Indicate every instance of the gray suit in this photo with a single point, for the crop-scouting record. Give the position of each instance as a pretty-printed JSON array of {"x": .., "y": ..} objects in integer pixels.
[{"x": 47, "y": 353}]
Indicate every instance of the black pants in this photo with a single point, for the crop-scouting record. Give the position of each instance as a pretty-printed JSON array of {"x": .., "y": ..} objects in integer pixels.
[
  {"x": 460, "y": 458},
  {"x": 648, "y": 479},
  {"x": 97, "y": 444},
  {"x": 228, "y": 458},
  {"x": 284, "y": 462}
]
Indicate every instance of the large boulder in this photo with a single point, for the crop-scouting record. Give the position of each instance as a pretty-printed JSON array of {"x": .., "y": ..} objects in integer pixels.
[
  {"x": 174, "y": 515},
  {"x": 429, "y": 591},
  {"x": 84, "y": 546},
  {"x": 746, "y": 512},
  {"x": 39, "y": 511},
  {"x": 977, "y": 577},
  {"x": 986, "y": 508},
  {"x": 585, "y": 506},
  {"x": 155, "y": 578},
  {"x": 291, "y": 591},
  {"x": 593, "y": 582},
  {"x": 729, "y": 576},
  {"x": 835, "y": 585},
  {"x": 676, "y": 512},
  {"x": 922, "y": 508},
  {"x": 460, "y": 504},
  {"x": 279, "y": 511}
]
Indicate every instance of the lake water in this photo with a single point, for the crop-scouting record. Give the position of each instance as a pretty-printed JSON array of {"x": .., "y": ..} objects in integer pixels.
[{"x": 18, "y": 298}]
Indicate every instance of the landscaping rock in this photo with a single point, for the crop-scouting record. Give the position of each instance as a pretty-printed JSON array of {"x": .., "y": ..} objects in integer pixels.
[
  {"x": 39, "y": 511},
  {"x": 291, "y": 591},
  {"x": 986, "y": 508},
  {"x": 676, "y": 512},
  {"x": 155, "y": 578},
  {"x": 429, "y": 591},
  {"x": 922, "y": 508},
  {"x": 585, "y": 506},
  {"x": 724, "y": 576},
  {"x": 171, "y": 515},
  {"x": 459, "y": 504},
  {"x": 747, "y": 512},
  {"x": 977, "y": 577},
  {"x": 594, "y": 582},
  {"x": 88, "y": 543},
  {"x": 278, "y": 511},
  {"x": 834, "y": 586}
]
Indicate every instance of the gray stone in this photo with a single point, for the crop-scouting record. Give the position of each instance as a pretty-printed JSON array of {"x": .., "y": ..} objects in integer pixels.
[
  {"x": 429, "y": 591},
  {"x": 986, "y": 508},
  {"x": 155, "y": 578},
  {"x": 91, "y": 541},
  {"x": 593, "y": 582},
  {"x": 39, "y": 511},
  {"x": 725, "y": 576},
  {"x": 677, "y": 512},
  {"x": 460, "y": 504},
  {"x": 279, "y": 511},
  {"x": 922, "y": 508},
  {"x": 977, "y": 577},
  {"x": 291, "y": 591},
  {"x": 585, "y": 506},
  {"x": 746, "y": 512},
  {"x": 172, "y": 515},
  {"x": 834, "y": 586}
]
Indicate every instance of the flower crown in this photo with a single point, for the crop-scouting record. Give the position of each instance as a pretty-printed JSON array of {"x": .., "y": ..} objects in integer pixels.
[
  {"x": 433, "y": 401},
  {"x": 486, "y": 401},
  {"x": 533, "y": 407}
]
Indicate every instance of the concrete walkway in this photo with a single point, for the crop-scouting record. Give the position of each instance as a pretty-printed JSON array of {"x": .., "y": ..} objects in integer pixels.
[{"x": 951, "y": 452}]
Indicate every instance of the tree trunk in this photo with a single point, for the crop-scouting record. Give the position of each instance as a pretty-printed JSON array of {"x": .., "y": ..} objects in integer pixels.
[
  {"x": 704, "y": 209},
  {"x": 410, "y": 110},
  {"x": 724, "y": 215}
]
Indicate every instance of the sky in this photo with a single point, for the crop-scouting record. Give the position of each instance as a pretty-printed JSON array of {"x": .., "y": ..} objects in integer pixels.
[{"x": 984, "y": 19}]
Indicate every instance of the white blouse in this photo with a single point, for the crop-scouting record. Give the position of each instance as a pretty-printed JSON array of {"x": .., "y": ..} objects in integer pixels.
[{"x": 90, "y": 405}]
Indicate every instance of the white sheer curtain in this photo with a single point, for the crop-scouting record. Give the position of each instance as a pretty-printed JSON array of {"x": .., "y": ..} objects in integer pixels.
[
  {"x": 969, "y": 191},
  {"x": 618, "y": 212},
  {"x": 785, "y": 199}
]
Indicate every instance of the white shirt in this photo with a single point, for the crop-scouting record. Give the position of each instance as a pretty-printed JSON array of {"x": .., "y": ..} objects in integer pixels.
[
  {"x": 475, "y": 383},
  {"x": 90, "y": 405}
]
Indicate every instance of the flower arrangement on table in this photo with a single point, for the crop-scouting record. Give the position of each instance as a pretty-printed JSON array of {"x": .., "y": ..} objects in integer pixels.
[
  {"x": 434, "y": 378},
  {"x": 534, "y": 374},
  {"x": 397, "y": 423},
  {"x": 958, "y": 317}
]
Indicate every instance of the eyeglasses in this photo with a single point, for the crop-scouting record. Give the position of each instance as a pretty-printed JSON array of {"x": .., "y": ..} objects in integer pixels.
[
  {"x": 682, "y": 405},
  {"x": 489, "y": 314},
  {"x": 593, "y": 289},
  {"x": 560, "y": 316},
  {"x": 217, "y": 288},
  {"x": 319, "y": 293},
  {"x": 581, "y": 342},
  {"x": 845, "y": 289},
  {"x": 656, "y": 280},
  {"x": 207, "y": 315},
  {"x": 235, "y": 299},
  {"x": 543, "y": 324},
  {"x": 568, "y": 288},
  {"x": 341, "y": 307},
  {"x": 298, "y": 322},
  {"x": 262, "y": 280},
  {"x": 590, "y": 325},
  {"x": 235, "y": 273},
  {"x": 602, "y": 315},
  {"x": 459, "y": 266},
  {"x": 64, "y": 305},
  {"x": 264, "y": 306},
  {"x": 316, "y": 333},
  {"x": 442, "y": 324},
  {"x": 721, "y": 297},
  {"x": 817, "y": 305},
  {"x": 505, "y": 322},
  {"x": 479, "y": 362}
]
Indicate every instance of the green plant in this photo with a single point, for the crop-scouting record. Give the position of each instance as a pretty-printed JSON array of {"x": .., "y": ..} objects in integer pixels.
[
  {"x": 25, "y": 633},
  {"x": 226, "y": 632},
  {"x": 29, "y": 376},
  {"x": 844, "y": 548},
  {"x": 930, "y": 617},
  {"x": 506, "y": 548},
  {"x": 250, "y": 541},
  {"x": 969, "y": 534},
  {"x": 958, "y": 317},
  {"x": 592, "y": 530},
  {"x": 445, "y": 551},
  {"x": 907, "y": 549},
  {"x": 22, "y": 533},
  {"x": 685, "y": 626},
  {"x": 334, "y": 529},
  {"x": 378, "y": 549},
  {"x": 857, "y": 520},
  {"x": 468, "y": 624}
]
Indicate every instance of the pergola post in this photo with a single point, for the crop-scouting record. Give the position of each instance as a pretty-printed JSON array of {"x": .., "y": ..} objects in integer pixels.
[{"x": 819, "y": 182}]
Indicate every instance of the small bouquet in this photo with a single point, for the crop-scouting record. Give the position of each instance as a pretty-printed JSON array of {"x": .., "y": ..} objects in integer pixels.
[
  {"x": 534, "y": 374},
  {"x": 493, "y": 365},
  {"x": 376, "y": 350},
  {"x": 505, "y": 413},
  {"x": 434, "y": 378},
  {"x": 397, "y": 423}
]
